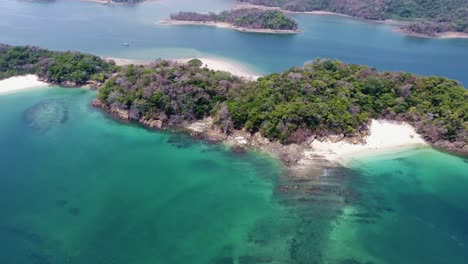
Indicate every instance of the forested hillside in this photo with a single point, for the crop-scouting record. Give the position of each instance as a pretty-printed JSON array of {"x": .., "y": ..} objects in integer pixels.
[{"x": 428, "y": 16}]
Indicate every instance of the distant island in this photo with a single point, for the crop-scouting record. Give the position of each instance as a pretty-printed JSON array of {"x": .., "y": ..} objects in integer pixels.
[
  {"x": 425, "y": 18},
  {"x": 247, "y": 20},
  {"x": 320, "y": 102},
  {"x": 103, "y": 1},
  {"x": 127, "y": 2}
]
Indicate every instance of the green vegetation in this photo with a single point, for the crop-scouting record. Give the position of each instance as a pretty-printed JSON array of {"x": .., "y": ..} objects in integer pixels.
[
  {"x": 321, "y": 98},
  {"x": 66, "y": 68},
  {"x": 245, "y": 18},
  {"x": 429, "y": 16},
  {"x": 168, "y": 91},
  {"x": 332, "y": 97},
  {"x": 195, "y": 63},
  {"x": 325, "y": 97}
]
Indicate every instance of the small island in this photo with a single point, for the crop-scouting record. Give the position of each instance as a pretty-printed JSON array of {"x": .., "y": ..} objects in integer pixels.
[
  {"x": 288, "y": 114},
  {"x": 245, "y": 20}
]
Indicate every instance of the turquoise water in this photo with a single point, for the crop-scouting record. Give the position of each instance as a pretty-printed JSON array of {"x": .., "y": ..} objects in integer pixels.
[
  {"x": 102, "y": 29},
  {"x": 79, "y": 187}
]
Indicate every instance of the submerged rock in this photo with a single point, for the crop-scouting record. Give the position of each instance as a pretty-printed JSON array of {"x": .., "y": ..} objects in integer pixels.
[
  {"x": 46, "y": 114},
  {"x": 74, "y": 211},
  {"x": 61, "y": 203}
]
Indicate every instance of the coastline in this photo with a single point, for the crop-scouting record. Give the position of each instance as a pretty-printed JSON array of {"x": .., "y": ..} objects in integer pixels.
[
  {"x": 442, "y": 35},
  {"x": 215, "y": 64},
  {"x": 20, "y": 83},
  {"x": 225, "y": 65},
  {"x": 174, "y": 22},
  {"x": 395, "y": 23},
  {"x": 107, "y": 2},
  {"x": 382, "y": 137}
]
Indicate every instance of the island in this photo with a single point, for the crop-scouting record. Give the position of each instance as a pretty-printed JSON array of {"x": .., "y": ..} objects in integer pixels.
[
  {"x": 287, "y": 114},
  {"x": 69, "y": 69},
  {"x": 436, "y": 18},
  {"x": 246, "y": 20}
]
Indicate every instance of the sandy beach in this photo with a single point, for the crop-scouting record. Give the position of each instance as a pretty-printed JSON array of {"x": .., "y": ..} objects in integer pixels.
[
  {"x": 211, "y": 63},
  {"x": 18, "y": 83},
  {"x": 124, "y": 61},
  {"x": 224, "y": 65},
  {"x": 226, "y": 25},
  {"x": 385, "y": 137}
]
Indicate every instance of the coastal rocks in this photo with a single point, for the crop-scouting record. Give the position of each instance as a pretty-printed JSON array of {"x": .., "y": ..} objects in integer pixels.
[
  {"x": 458, "y": 147},
  {"x": 336, "y": 138},
  {"x": 119, "y": 113},
  {"x": 291, "y": 154},
  {"x": 152, "y": 123},
  {"x": 205, "y": 130},
  {"x": 123, "y": 114}
]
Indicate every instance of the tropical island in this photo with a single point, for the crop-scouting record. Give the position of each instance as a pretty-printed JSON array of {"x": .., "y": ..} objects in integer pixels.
[
  {"x": 425, "y": 18},
  {"x": 286, "y": 113},
  {"x": 246, "y": 20}
]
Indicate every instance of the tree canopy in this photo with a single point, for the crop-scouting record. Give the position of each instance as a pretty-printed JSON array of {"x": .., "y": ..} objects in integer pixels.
[{"x": 246, "y": 18}]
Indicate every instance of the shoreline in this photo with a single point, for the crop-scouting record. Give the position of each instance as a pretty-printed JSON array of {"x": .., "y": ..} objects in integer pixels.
[
  {"x": 383, "y": 137},
  {"x": 216, "y": 64},
  {"x": 442, "y": 35},
  {"x": 173, "y": 22},
  {"x": 21, "y": 83},
  {"x": 224, "y": 65},
  {"x": 108, "y": 2},
  {"x": 395, "y": 23}
]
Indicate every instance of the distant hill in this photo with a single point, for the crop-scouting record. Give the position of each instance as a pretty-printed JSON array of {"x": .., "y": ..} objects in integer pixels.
[{"x": 427, "y": 16}]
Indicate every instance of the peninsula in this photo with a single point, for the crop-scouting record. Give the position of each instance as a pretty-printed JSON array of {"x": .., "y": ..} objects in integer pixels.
[
  {"x": 246, "y": 20},
  {"x": 441, "y": 18},
  {"x": 288, "y": 114}
]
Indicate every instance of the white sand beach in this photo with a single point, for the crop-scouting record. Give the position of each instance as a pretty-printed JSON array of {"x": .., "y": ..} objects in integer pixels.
[
  {"x": 124, "y": 61},
  {"x": 19, "y": 83},
  {"x": 385, "y": 136},
  {"x": 228, "y": 66},
  {"x": 216, "y": 64},
  {"x": 226, "y": 25}
]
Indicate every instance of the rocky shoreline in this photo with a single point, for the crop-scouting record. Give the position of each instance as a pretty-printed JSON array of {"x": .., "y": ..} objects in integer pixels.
[
  {"x": 240, "y": 141},
  {"x": 294, "y": 156}
]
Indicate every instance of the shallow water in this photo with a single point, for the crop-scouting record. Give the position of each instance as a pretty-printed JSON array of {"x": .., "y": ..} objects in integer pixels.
[
  {"x": 88, "y": 189},
  {"x": 101, "y": 29},
  {"x": 79, "y": 187}
]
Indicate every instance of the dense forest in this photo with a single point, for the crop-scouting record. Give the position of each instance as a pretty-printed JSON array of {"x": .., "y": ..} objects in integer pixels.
[
  {"x": 245, "y": 18},
  {"x": 427, "y": 16},
  {"x": 64, "y": 68},
  {"x": 322, "y": 98},
  {"x": 319, "y": 99}
]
